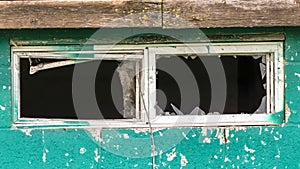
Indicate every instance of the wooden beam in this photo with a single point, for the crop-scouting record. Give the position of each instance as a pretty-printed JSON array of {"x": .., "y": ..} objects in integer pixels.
[
  {"x": 80, "y": 14},
  {"x": 230, "y": 13},
  {"x": 148, "y": 13}
]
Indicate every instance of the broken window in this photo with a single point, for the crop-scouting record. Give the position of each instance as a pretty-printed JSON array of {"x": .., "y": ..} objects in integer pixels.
[
  {"x": 245, "y": 85},
  {"x": 46, "y": 82},
  {"x": 215, "y": 84},
  {"x": 162, "y": 84}
]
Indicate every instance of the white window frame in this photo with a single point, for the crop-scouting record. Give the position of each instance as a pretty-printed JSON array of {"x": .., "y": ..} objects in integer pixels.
[
  {"x": 275, "y": 82},
  {"x": 97, "y": 52},
  {"x": 275, "y": 90}
]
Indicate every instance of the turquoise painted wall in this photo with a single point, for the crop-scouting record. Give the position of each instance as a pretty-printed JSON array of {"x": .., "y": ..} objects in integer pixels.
[{"x": 240, "y": 147}]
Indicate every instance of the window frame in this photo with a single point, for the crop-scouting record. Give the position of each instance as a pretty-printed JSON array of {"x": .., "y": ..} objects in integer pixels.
[
  {"x": 275, "y": 49},
  {"x": 102, "y": 52},
  {"x": 275, "y": 89}
]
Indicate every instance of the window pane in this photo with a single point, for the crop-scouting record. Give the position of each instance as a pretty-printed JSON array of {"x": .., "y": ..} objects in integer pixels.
[
  {"x": 245, "y": 81},
  {"x": 48, "y": 93}
]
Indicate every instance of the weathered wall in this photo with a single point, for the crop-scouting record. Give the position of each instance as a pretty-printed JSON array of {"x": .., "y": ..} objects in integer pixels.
[{"x": 243, "y": 147}]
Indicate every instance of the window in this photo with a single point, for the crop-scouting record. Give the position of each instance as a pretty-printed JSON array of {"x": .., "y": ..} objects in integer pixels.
[
  {"x": 216, "y": 84},
  {"x": 58, "y": 84},
  {"x": 169, "y": 85}
]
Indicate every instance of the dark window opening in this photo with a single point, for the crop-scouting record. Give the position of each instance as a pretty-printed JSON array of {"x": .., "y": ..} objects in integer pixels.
[
  {"x": 48, "y": 93},
  {"x": 245, "y": 81}
]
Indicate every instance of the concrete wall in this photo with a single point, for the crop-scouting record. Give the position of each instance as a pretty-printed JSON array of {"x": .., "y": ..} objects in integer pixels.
[{"x": 235, "y": 147}]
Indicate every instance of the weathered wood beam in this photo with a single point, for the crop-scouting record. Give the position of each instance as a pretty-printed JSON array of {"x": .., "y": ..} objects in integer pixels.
[
  {"x": 230, "y": 13},
  {"x": 80, "y": 14},
  {"x": 148, "y": 13}
]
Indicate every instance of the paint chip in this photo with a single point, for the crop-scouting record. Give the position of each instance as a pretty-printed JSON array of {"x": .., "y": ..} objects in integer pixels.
[
  {"x": 248, "y": 149},
  {"x": 82, "y": 150},
  {"x": 126, "y": 136},
  {"x": 2, "y": 108},
  {"x": 183, "y": 160},
  {"x": 172, "y": 155},
  {"x": 297, "y": 74},
  {"x": 227, "y": 159},
  {"x": 96, "y": 155},
  {"x": 26, "y": 131},
  {"x": 206, "y": 140}
]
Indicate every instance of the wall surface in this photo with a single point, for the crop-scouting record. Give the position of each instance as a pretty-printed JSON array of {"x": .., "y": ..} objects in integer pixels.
[{"x": 231, "y": 147}]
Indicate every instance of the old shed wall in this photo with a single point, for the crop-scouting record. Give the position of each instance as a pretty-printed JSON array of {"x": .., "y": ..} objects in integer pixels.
[{"x": 232, "y": 147}]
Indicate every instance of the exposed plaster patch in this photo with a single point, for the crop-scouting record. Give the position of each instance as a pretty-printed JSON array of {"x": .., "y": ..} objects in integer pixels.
[
  {"x": 260, "y": 130},
  {"x": 44, "y": 157},
  {"x": 95, "y": 133},
  {"x": 26, "y": 131},
  {"x": 66, "y": 154},
  {"x": 220, "y": 136},
  {"x": 3, "y": 87},
  {"x": 276, "y": 138},
  {"x": 263, "y": 143},
  {"x": 126, "y": 136},
  {"x": 204, "y": 131},
  {"x": 226, "y": 159},
  {"x": 172, "y": 155},
  {"x": 96, "y": 155},
  {"x": 272, "y": 130},
  {"x": 248, "y": 149},
  {"x": 144, "y": 130},
  {"x": 82, "y": 150},
  {"x": 215, "y": 156},
  {"x": 287, "y": 113},
  {"x": 183, "y": 160},
  {"x": 2, "y": 108},
  {"x": 206, "y": 140},
  {"x": 45, "y": 150},
  {"x": 297, "y": 74}
]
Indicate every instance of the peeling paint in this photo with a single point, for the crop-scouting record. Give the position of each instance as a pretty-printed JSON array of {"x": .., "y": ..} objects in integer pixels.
[
  {"x": 26, "y": 131},
  {"x": 145, "y": 130},
  {"x": 45, "y": 150},
  {"x": 297, "y": 74},
  {"x": 171, "y": 155},
  {"x": 95, "y": 133},
  {"x": 206, "y": 140},
  {"x": 248, "y": 149},
  {"x": 97, "y": 156},
  {"x": 226, "y": 159},
  {"x": 2, "y": 108},
  {"x": 183, "y": 160},
  {"x": 82, "y": 150}
]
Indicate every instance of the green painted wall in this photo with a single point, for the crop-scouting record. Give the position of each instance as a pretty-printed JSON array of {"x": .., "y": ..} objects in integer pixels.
[{"x": 243, "y": 147}]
